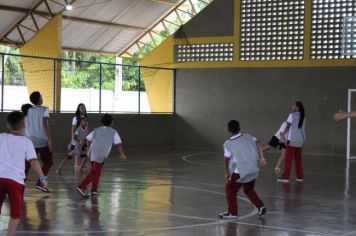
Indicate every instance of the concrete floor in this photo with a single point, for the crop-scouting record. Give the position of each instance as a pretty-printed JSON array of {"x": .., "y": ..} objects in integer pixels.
[{"x": 181, "y": 193}]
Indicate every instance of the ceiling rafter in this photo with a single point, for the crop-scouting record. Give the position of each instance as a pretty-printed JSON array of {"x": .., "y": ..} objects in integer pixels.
[
  {"x": 29, "y": 11},
  {"x": 152, "y": 27}
]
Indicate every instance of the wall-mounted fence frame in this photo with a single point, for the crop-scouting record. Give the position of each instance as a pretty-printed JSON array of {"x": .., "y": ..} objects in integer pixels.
[{"x": 59, "y": 61}]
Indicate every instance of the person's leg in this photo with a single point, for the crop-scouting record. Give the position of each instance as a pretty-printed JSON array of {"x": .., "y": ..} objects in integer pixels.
[
  {"x": 231, "y": 189},
  {"x": 266, "y": 147},
  {"x": 76, "y": 162},
  {"x": 84, "y": 161},
  {"x": 15, "y": 194},
  {"x": 277, "y": 169},
  {"x": 47, "y": 161},
  {"x": 298, "y": 164},
  {"x": 289, "y": 156},
  {"x": 65, "y": 160},
  {"x": 89, "y": 178},
  {"x": 97, "y": 168},
  {"x": 249, "y": 189}
]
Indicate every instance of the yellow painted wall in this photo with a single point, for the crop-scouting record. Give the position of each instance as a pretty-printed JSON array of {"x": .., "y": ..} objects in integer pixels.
[
  {"x": 39, "y": 72},
  {"x": 159, "y": 83}
]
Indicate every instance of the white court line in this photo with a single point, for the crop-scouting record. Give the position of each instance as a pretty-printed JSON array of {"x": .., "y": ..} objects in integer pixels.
[
  {"x": 349, "y": 233},
  {"x": 185, "y": 158}
]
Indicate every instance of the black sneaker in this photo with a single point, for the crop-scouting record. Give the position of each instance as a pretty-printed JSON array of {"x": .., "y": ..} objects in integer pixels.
[
  {"x": 43, "y": 189},
  {"x": 94, "y": 193},
  {"x": 82, "y": 192},
  {"x": 227, "y": 216},
  {"x": 262, "y": 211}
]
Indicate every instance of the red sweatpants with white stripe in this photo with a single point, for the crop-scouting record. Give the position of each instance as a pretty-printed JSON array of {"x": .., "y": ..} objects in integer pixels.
[
  {"x": 232, "y": 188},
  {"x": 93, "y": 177},
  {"x": 293, "y": 153},
  {"x": 46, "y": 158}
]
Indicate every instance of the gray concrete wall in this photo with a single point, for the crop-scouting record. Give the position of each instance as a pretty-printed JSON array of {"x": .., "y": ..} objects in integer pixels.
[
  {"x": 261, "y": 99},
  {"x": 217, "y": 19},
  {"x": 136, "y": 131}
]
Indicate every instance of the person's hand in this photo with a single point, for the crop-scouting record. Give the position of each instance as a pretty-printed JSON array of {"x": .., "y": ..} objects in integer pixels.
[
  {"x": 227, "y": 178},
  {"x": 263, "y": 162},
  {"x": 123, "y": 157},
  {"x": 339, "y": 116}
]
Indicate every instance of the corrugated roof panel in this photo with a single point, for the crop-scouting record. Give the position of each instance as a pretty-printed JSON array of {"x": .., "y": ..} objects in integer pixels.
[
  {"x": 77, "y": 34},
  {"x": 144, "y": 14},
  {"x": 120, "y": 41},
  {"x": 19, "y": 3},
  {"x": 7, "y": 20}
]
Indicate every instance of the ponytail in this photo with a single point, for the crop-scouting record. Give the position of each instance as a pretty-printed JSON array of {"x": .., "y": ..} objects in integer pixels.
[{"x": 302, "y": 113}]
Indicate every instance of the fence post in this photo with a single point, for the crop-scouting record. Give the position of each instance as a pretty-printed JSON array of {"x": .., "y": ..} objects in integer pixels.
[
  {"x": 174, "y": 90},
  {"x": 100, "y": 82},
  {"x": 139, "y": 90},
  {"x": 2, "y": 81},
  {"x": 54, "y": 84}
]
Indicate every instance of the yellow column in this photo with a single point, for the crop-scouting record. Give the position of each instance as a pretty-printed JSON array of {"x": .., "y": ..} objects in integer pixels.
[
  {"x": 159, "y": 83},
  {"x": 39, "y": 73}
]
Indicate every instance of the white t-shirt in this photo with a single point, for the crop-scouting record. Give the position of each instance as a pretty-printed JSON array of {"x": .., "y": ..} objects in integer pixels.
[
  {"x": 75, "y": 121},
  {"x": 15, "y": 150},
  {"x": 35, "y": 129},
  {"x": 102, "y": 139},
  {"x": 281, "y": 129},
  {"x": 227, "y": 154}
]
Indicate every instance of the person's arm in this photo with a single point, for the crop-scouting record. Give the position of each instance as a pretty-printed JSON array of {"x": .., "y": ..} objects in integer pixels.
[
  {"x": 262, "y": 160},
  {"x": 120, "y": 149},
  {"x": 286, "y": 129},
  {"x": 74, "y": 128},
  {"x": 344, "y": 115},
  {"x": 36, "y": 166},
  {"x": 47, "y": 130},
  {"x": 226, "y": 168}
]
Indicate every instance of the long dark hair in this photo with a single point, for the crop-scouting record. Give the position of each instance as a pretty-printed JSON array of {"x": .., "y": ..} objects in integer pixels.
[
  {"x": 78, "y": 115},
  {"x": 302, "y": 113}
]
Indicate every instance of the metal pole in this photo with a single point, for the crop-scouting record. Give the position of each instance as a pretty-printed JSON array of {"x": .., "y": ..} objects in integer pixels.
[
  {"x": 100, "y": 82},
  {"x": 348, "y": 126},
  {"x": 2, "y": 81},
  {"x": 174, "y": 90},
  {"x": 54, "y": 84},
  {"x": 139, "y": 90}
]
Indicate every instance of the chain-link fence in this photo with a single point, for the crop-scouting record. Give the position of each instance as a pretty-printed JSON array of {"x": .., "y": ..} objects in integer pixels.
[{"x": 102, "y": 87}]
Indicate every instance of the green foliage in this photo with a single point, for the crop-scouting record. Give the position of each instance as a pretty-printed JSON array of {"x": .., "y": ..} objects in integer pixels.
[
  {"x": 13, "y": 68},
  {"x": 87, "y": 75}
]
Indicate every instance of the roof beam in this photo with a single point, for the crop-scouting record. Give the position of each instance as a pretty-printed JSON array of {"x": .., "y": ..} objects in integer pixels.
[
  {"x": 76, "y": 19},
  {"x": 27, "y": 13},
  {"x": 104, "y": 23}
]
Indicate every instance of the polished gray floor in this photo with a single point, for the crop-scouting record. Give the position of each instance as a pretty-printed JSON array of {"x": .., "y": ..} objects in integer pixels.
[{"x": 181, "y": 193}]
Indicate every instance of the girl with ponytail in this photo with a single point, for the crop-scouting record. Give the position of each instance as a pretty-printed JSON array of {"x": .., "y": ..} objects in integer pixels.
[{"x": 295, "y": 142}]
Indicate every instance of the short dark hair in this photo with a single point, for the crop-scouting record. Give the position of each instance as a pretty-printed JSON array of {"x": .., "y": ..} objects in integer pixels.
[
  {"x": 107, "y": 119},
  {"x": 233, "y": 126},
  {"x": 82, "y": 118},
  {"x": 35, "y": 97},
  {"x": 25, "y": 108},
  {"x": 14, "y": 119}
]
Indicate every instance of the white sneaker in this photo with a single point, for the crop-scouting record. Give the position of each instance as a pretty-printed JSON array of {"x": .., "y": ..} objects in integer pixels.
[
  {"x": 280, "y": 180},
  {"x": 299, "y": 180},
  {"x": 82, "y": 192},
  {"x": 227, "y": 216},
  {"x": 262, "y": 211}
]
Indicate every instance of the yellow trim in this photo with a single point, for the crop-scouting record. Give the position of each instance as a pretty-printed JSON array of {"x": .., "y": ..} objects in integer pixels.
[
  {"x": 167, "y": 58},
  {"x": 226, "y": 39}
]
